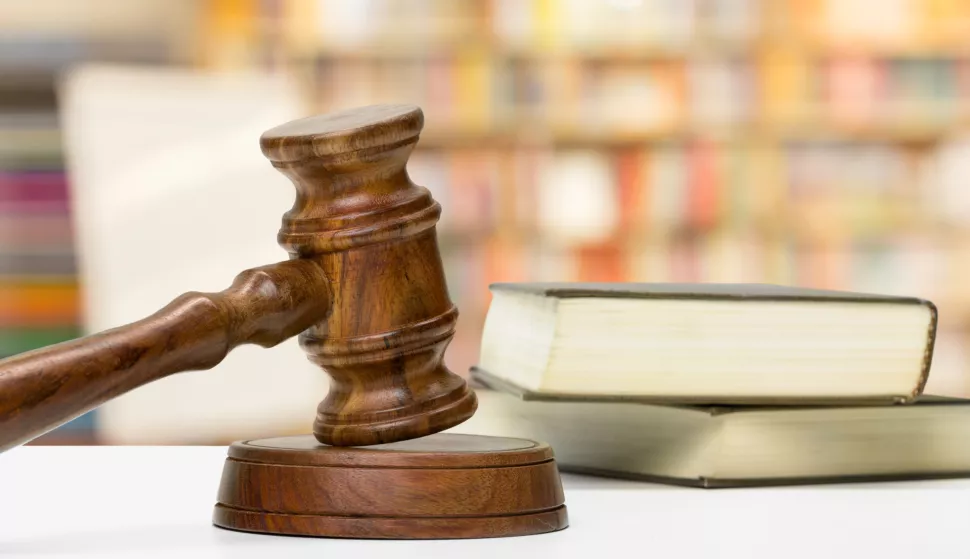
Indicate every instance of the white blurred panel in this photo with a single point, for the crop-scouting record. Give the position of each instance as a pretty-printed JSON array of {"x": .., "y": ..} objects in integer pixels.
[{"x": 171, "y": 194}]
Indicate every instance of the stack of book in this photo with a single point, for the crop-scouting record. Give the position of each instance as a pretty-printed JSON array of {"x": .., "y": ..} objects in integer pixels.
[{"x": 719, "y": 384}]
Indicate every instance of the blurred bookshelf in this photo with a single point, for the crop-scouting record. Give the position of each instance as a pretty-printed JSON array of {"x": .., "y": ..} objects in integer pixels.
[
  {"x": 40, "y": 301},
  {"x": 821, "y": 143},
  {"x": 796, "y": 141}
]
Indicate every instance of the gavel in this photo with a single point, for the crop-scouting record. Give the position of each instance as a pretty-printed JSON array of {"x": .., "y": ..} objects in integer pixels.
[{"x": 364, "y": 289}]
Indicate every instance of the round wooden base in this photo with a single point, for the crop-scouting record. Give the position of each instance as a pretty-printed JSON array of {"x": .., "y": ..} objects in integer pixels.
[{"x": 441, "y": 486}]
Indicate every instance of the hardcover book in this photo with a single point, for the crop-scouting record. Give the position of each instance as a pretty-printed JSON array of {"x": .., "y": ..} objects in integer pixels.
[
  {"x": 708, "y": 343},
  {"x": 731, "y": 446}
]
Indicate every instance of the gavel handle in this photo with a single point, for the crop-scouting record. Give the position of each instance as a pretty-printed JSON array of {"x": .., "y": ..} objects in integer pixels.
[{"x": 42, "y": 389}]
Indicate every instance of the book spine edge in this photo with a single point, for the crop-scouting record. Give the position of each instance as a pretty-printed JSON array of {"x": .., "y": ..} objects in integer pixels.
[{"x": 927, "y": 352}]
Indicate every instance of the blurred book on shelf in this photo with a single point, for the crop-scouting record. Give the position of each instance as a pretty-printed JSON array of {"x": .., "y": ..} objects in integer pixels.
[
  {"x": 39, "y": 295},
  {"x": 796, "y": 142}
]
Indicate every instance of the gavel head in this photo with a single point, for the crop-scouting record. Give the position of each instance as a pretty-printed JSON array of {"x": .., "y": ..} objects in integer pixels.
[{"x": 358, "y": 215}]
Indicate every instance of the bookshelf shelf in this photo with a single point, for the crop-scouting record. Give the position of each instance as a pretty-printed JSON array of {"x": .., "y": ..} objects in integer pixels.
[
  {"x": 496, "y": 51},
  {"x": 796, "y": 232},
  {"x": 564, "y": 136}
]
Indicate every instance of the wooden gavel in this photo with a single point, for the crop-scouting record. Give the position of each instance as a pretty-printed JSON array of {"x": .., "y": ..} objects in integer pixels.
[{"x": 364, "y": 289}]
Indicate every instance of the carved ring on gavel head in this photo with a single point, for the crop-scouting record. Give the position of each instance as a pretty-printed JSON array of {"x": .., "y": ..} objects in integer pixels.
[{"x": 364, "y": 285}]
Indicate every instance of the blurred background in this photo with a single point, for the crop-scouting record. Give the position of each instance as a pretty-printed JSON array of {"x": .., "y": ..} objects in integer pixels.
[{"x": 817, "y": 143}]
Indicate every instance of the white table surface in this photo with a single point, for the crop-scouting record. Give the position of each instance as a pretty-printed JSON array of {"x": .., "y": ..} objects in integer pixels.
[{"x": 157, "y": 501}]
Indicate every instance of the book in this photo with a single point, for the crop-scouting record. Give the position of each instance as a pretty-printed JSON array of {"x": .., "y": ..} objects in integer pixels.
[
  {"x": 38, "y": 304},
  {"x": 577, "y": 201},
  {"x": 708, "y": 343},
  {"x": 732, "y": 446},
  {"x": 18, "y": 340}
]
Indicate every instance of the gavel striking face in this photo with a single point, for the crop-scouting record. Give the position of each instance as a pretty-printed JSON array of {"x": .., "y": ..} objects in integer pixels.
[{"x": 364, "y": 289}]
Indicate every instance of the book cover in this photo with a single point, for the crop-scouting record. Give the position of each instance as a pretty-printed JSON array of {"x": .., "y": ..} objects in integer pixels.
[{"x": 631, "y": 431}]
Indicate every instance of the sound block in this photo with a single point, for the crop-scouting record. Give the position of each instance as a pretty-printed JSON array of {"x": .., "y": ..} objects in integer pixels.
[{"x": 440, "y": 486}]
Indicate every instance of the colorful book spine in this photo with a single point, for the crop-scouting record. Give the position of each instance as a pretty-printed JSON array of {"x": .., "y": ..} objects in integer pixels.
[{"x": 39, "y": 299}]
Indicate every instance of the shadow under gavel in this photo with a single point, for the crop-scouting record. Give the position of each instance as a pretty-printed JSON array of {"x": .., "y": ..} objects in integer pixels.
[{"x": 364, "y": 289}]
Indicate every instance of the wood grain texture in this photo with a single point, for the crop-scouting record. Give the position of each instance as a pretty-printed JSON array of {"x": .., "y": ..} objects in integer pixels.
[
  {"x": 42, "y": 389},
  {"x": 372, "y": 230},
  {"x": 365, "y": 285},
  {"x": 441, "y": 486}
]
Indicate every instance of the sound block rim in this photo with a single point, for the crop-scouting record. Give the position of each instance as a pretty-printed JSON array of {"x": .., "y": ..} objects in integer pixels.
[
  {"x": 348, "y": 527},
  {"x": 444, "y": 486}
]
